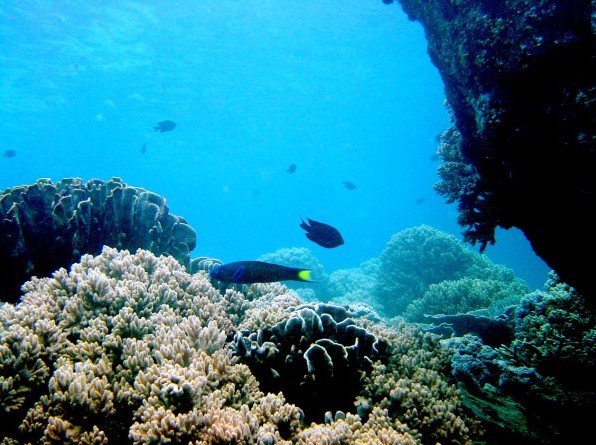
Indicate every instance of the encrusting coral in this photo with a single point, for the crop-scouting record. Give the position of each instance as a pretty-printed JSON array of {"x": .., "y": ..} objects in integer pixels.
[
  {"x": 129, "y": 348},
  {"x": 45, "y": 226}
]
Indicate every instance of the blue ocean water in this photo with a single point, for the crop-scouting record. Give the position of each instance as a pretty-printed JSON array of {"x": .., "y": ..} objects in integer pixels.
[{"x": 344, "y": 90}]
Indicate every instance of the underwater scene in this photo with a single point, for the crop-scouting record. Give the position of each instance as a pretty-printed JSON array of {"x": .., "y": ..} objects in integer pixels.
[{"x": 293, "y": 223}]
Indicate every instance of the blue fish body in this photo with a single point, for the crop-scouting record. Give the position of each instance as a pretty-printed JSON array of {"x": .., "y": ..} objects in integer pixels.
[{"x": 247, "y": 272}]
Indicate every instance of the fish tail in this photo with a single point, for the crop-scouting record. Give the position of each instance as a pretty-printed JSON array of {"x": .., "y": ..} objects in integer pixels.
[{"x": 304, "y": 275}]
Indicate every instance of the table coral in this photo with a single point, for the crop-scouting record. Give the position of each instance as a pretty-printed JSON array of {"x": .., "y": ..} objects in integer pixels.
[{"x": 45, "y": 226}]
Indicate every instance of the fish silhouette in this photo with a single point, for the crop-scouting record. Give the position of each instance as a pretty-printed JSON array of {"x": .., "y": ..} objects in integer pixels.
[
  {"x": 291, "y": 168},
  {"x": 164, "y": 126},
  {"x": 9, "y": 153},
  {"x": 322, "y": 234},
  {"x": 258, "y": 272},
  {"x": 349, "y": 185}
]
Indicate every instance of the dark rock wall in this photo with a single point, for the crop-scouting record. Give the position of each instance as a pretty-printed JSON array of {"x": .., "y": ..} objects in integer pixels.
[{"x": 520, "y": 81}]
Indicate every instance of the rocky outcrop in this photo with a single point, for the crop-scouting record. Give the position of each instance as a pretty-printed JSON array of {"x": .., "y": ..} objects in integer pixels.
[{"x": 520, "y": 81}]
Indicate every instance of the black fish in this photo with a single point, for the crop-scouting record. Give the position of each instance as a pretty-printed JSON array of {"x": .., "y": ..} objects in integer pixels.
[
  {"x": 349, "y": 185},
  {"x": 291, "y": 168},
  {"x": 258, "y": 272},
  {"x": 322, "y": 234},
  {"x": 144, "y": 148},
  {"x": 9, "y": 153},
  {"x": 165, "y": 126}
]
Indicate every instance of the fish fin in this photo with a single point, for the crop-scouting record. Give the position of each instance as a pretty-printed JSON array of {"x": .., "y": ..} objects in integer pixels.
[
  {"x": 304, "y": 275},
  {"x": 304, "y": 225},
  {"x": 316, "y": 224}
]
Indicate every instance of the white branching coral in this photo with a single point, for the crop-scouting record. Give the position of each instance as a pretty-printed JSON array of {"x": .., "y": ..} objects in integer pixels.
[{"x": 129, "y": 348}]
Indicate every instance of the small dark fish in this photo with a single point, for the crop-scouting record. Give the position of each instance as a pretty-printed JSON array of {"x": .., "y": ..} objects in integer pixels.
[
  {"x": 9, "y": 153},
  {"x": 322, "y": 234},
  {"x": 291, "y": 168},
  {"x": 144, "y": 148},
  {"x": 164, "y": 126},
  {"x": 247, "y": 272},
  {"x": 421, "y": 200},
  {"x": 349, "y": 185}
]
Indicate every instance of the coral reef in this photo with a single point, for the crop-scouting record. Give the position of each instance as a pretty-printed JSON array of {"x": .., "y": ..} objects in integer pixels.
[
  {"x": 418, "y": 257},
  {"x": 555, "y": 326},
  {"x": 494, "y": 331},
  {"x": 544, "y": 374},
  {"x": 463, "y": 295},
  {"x": 45, "y": 226},
  {"x": 411, "y": 387},
  {"x": 355, "y": 286},
  {"x": 130, "y": 348},
  {"x": 316, "y": 356},
  {"x": 519, "y": 79}
]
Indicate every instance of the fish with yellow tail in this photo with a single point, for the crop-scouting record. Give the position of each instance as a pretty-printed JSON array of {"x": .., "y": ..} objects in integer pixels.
[{"x": 247, "y": 272}]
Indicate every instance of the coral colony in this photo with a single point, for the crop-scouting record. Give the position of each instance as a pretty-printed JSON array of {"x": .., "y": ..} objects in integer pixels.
[{"x": 106, "y": 336}]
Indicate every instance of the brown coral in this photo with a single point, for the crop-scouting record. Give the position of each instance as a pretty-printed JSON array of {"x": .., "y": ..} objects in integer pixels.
[
  {"x": 46, "y": 226},
  {"x": 129, "y": 348}
]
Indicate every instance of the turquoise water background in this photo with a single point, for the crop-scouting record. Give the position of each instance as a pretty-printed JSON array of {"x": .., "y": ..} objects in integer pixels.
[{"x": 344, "y": 90}]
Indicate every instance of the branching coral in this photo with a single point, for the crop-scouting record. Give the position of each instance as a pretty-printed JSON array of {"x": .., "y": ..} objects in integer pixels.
[
  {"x": 553, "y": 327},
  {"x": 463, "y": 295},
  {"x": 102, "y": 350},
  {"x": 412, "y": 388},
  {"x": 544, "y": 374},
  {"x": 356, "y": 285},
  {"x": 129, "y": 348},
  {"x": 461, "y": 183},
  {"x": 45, "y": 226},
  {"x": 415, "y": 258}
]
